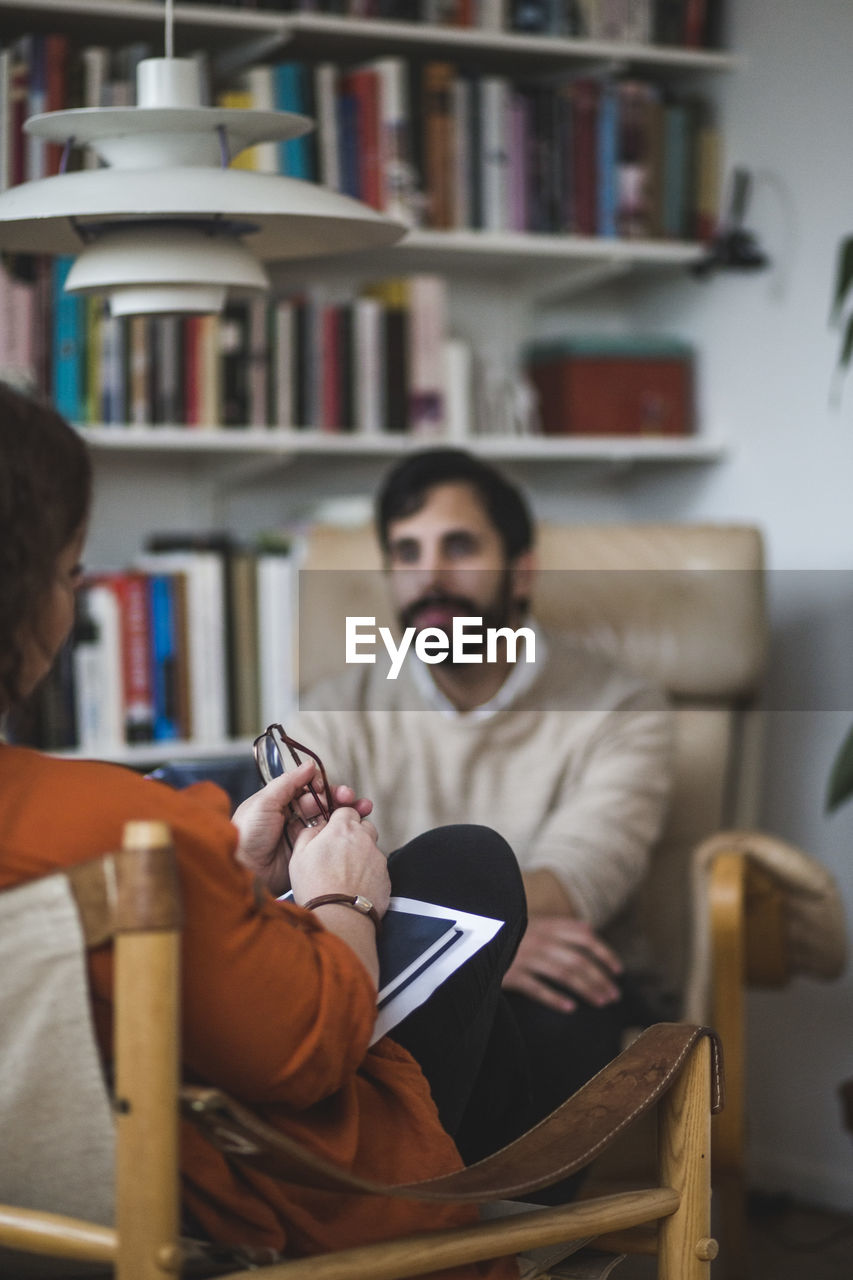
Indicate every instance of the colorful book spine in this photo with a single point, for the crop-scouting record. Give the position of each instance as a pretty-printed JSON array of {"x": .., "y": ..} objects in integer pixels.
[
  {"x": 132, "y": 593},
  {"x": 164, "y": 647}
]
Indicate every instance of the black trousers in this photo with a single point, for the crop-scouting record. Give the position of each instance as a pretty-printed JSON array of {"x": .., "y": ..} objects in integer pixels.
[
  {"x": 497, "y": 1062},
  {"x": 464, "y": 1037}
]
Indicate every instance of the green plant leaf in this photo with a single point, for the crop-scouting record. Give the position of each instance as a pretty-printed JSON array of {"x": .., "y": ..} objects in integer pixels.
[
  {"x": 843, "y": 277},
  {"x": 841, "y": 778},
  {"x": 847, "y": 344}
]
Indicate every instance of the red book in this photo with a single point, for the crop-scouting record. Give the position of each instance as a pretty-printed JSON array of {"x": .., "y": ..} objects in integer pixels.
[
  {"x": 56, "y": 90},
  {"x": 694, "y": 23},
  {"x": 585, "y": 98},
  {"x": 363, "y": 85},
  {"x": 131, "y": 590},
  {"x": 19, "y": 79},
  {"x": 192, "y": 370}
]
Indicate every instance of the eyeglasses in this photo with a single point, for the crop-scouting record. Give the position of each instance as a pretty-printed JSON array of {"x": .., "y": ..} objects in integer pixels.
[{"x": 276, "y": 753}]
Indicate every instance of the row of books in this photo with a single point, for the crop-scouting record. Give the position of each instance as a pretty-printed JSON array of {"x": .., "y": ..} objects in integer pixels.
[
  {"x": 428, "y": 142},
  {"x": 52, "y": 73},
  {"x": 447, "y": 149},
  {"x": 373, "y": 362},
  {"x": 194, "y": 644},
  {"x": 689, "y": 23}
]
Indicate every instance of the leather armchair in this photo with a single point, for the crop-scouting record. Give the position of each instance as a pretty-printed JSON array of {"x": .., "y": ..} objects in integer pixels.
[{"x": 724, "y": 907}]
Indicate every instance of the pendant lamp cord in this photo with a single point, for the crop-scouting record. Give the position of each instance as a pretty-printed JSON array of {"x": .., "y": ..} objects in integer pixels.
[{"x": 170, "y": 22}]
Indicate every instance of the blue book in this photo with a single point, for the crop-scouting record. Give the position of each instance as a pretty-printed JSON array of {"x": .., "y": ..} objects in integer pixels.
[
  {"x": 164, "y": 656},
  {"x": 68, "y": 345},
  {"x": 608, "y": 141},
  {"x": 290, "y": 94}
]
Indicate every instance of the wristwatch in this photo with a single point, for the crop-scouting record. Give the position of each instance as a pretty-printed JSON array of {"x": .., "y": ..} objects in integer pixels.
[{"x": 357, "y": 901}]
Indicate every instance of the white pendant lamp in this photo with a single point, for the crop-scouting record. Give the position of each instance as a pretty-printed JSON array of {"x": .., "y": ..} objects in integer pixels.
[{"x": 166, "y": 226}]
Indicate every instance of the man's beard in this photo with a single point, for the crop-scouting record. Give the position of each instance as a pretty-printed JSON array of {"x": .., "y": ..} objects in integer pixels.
[{"x": 501, "y": 611}]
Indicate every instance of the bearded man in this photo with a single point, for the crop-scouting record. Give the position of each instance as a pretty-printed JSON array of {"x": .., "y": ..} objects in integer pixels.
[{"x": 567, "y": 756}]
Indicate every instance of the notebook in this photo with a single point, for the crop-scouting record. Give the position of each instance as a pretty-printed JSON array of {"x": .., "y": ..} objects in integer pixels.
[{"x": 420, "y": 945}]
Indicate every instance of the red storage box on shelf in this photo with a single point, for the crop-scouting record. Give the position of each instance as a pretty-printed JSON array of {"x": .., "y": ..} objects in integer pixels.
[{"x": 613, "y": 386}]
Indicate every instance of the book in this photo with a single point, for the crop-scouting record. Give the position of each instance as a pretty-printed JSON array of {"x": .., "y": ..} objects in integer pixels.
[
  {"x": 439, "y": 143},
  {"x": 291, "y": 90},
  {"x": 395, "y": 154},
  {"x": 164, "y": 646},
  {"x": 362, "y": 86},
  {"x": 98, "y": 683},
  {"x": 67, "y": 344},
  {"x": 409, "y": 941},
  {"x": 276, "y": 588},
  {"x": 494, "y": 153},
  {"x": 328, "y": 155},
  {"x": 368, "y": 366},
  {"x": 607, "y": 160},
  {"x": 441, "y": 957},
  {"x": 585, "y": 104},
  {"x": 426, "y": 334},
  {"x": 244, "y": 705},
  {"x": 420, "y": 945},
  {"x": 131, "y": 592},
  {"x": 139, "y": 380},
  {"x": 260, "y": 84},
  {"x": 5, "y": 118},
  {"x": 234, "y": 348},
  {"x": 206, "y": 627}
]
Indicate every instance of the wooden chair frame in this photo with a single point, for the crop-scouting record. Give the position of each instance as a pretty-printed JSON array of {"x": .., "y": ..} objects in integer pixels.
[{"x": 133, "y": 897}]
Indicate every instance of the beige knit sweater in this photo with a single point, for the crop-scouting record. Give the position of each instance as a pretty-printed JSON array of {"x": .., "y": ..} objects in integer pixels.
[{"x": 574, "y": 772}]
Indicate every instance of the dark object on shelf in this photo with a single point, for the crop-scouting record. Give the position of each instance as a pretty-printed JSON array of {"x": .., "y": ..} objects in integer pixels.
[{"x": 734, "y": 248}]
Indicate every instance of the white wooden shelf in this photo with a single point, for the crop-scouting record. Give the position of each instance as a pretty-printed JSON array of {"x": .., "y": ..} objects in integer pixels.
[
  {"x": 277, "y": 443},
  {"x": 354, "y": 37},
  {"x": 148, "y": 754}
]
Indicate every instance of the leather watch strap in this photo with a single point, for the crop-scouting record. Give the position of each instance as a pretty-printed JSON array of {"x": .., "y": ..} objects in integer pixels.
[{"x": 357, "y": 901}]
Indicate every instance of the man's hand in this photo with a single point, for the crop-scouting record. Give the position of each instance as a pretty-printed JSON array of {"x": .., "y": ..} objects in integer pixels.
[{"x": 566, "y": 951}]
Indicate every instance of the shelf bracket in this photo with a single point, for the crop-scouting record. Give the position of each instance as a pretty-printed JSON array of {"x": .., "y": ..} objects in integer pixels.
[
  {"x": 244, "y": 475},
  {"x": 249, "y": 52},
  {"x": 590, "y": 276}
]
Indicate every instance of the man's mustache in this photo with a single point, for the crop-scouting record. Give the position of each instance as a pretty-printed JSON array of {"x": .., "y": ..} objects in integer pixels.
[{"x": 458, "y": 604}]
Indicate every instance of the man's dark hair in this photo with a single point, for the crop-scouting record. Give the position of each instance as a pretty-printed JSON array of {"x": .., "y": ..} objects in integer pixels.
[
  {"x": 45, "y": 491},
  {"x": 407, "y": 485}
]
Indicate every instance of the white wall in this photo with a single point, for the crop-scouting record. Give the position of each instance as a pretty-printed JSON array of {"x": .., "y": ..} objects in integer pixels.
[{"x": 768, "y": 355}]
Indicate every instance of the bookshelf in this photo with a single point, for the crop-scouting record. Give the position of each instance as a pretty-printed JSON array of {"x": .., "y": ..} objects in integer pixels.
[
  {"x": 153, "y": 477},
  {"x": 216, "y": 25}
]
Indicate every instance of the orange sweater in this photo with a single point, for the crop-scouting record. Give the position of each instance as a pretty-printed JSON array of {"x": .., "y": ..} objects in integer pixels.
[{"x": 276, "y": 1011}]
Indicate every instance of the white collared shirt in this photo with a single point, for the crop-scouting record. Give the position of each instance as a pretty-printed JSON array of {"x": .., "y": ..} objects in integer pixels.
[{"x": 519, "y": 680}]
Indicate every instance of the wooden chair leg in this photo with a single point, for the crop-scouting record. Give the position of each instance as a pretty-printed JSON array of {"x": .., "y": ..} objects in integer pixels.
[
  {"x": 686, "y": 1248},
  {"x": 147, "y": 955}
]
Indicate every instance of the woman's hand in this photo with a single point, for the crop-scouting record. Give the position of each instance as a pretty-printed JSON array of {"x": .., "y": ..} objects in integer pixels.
[
  {"x": 340, "y": 856},
  {"x": 267, "y": 826}
]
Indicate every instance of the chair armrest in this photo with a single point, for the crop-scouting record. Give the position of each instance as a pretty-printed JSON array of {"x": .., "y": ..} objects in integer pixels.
[
  {"x": 567, "y": 1140},
  {"x": 791, "y": 917}
]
